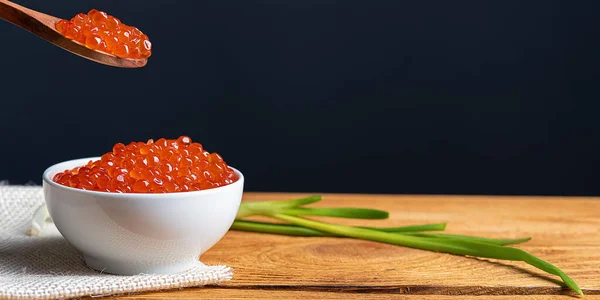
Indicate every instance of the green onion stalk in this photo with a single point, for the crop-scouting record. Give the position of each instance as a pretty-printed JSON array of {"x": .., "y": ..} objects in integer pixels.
[{"x": 416, "y": 236}]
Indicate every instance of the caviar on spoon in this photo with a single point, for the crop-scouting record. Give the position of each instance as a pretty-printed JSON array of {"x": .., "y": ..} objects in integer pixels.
[{"x": 91, "y": 39}]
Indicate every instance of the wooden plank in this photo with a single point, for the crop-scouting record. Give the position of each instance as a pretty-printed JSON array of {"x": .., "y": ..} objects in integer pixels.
[
  {"x": 565, "y": 232},
  {"x": 242, "y": 294}
]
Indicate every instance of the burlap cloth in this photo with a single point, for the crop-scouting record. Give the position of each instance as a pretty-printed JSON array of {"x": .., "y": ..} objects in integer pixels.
[{"x": 47, "y": 267}]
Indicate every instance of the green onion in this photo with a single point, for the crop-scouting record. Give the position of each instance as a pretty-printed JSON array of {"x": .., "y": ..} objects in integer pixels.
[
  {"x": 351, "y": 213},
  {"x": 447, "y": 245},
  {"x": 257, "y": 208},
  {"x": 413, "y": 228},
  {"x": 294, "y": 230},
  {"x": 286, "y": 229},
  {"x": 282, "y": 229},
  {"x": 408, "y": 236},
  {"x": 472, "y": 238}
]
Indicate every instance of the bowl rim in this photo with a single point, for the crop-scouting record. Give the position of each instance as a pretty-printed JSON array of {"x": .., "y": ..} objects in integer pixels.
[{"x": 47, "y": 180}]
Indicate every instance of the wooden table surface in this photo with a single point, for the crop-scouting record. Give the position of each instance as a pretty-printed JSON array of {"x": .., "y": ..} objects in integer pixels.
[{"x": 565, "y": 231}]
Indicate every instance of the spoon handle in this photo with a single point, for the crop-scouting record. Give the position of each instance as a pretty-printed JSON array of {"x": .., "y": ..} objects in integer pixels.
[{"x": 35, "y": 22}]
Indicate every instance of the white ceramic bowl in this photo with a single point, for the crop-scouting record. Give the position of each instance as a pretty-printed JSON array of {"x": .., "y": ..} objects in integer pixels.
[{"x": 127, "y": 233}]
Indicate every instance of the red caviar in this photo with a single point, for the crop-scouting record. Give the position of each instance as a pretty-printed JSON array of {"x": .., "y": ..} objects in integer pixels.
[
  {"x": 164, "y": 166},
  {"x": 99, "y": 31}
]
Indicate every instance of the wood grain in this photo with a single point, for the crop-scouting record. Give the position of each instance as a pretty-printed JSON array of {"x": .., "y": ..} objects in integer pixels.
[
  {"x": 241, "y": 294},
  {"x": 43, "y": 26},
  {"x": 565, "y": 231}
]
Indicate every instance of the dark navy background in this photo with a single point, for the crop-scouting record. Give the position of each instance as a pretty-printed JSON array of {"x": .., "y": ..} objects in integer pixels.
[{"x": 454, "y": 97}]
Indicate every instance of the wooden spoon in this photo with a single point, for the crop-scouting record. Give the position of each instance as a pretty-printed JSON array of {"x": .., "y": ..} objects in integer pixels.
[{"x": 43, "y": 25}]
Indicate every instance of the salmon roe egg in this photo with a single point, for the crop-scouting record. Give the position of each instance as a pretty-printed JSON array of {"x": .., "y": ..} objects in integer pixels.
[
  {"x": 100, "y": 31},
  {"x": 164, "y": 166}
]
